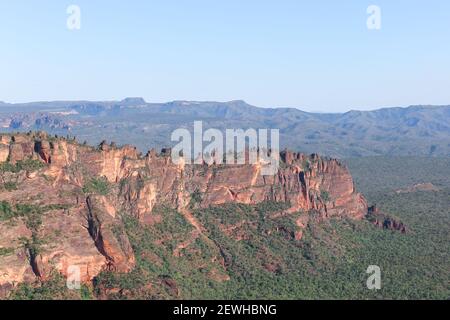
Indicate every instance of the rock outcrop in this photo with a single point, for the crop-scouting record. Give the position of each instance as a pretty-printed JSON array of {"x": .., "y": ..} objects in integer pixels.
[
  {"x": 384, "y": 221},
  {"x": 83, "y": 228}
]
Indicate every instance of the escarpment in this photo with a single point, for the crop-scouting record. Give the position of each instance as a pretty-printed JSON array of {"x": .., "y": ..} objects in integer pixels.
[{"x": 64, "y": 201}]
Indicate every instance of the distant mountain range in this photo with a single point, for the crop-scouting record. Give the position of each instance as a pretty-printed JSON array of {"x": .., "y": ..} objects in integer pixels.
[{"x": 415, "y": 130}]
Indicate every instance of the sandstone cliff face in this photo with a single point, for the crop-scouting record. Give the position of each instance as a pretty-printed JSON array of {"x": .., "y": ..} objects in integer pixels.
[
  {"x": 84, "y": 229},
  {"x": 14, "y": 267},
  {"x": 109, "y": 238}
]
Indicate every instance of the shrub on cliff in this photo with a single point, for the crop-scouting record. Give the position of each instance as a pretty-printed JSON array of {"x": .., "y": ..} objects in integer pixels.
[
  {"x": 6, "y": 251},
  {"x": 325, "y": 196},
  {"x": 54, "y": 288},
  {"x": 6, "y": 211},
  {"x": 196, "y": 199},
  {"x": 29, "y": 165},
  {"x": 97, "y": 186},
  {"x": 10, "y": 186}
]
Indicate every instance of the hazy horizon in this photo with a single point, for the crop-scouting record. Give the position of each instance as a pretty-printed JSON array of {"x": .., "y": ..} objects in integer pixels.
[{"x": 300, "y": 108}]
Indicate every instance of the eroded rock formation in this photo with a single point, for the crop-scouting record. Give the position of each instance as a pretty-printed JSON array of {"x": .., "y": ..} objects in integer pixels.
[
  {"x": 84, "y": 229},
  {"x": 384, "y": 221}
]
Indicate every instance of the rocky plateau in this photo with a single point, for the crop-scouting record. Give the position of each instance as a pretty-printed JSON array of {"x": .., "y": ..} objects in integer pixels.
[{"x": 55, "y": 216}]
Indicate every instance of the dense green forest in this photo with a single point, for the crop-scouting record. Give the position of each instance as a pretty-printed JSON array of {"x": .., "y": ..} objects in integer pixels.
[{"x": 248, "y": 254}]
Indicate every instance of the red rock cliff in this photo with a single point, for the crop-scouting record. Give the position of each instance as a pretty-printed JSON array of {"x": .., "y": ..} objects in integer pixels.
[{"x": 89, "y": 223}]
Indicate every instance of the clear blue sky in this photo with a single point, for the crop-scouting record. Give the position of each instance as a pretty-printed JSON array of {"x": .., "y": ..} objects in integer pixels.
[{"x": 314, "y": 55}]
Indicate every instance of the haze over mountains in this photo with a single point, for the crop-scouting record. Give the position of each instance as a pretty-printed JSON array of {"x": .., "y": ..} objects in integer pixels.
[{"x": 416, "y": 130}]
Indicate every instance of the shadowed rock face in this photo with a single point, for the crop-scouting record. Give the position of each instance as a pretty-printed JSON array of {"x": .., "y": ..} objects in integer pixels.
[
  {"x": 384, "y": 221},
  {"x": 85, "y": 230}
]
